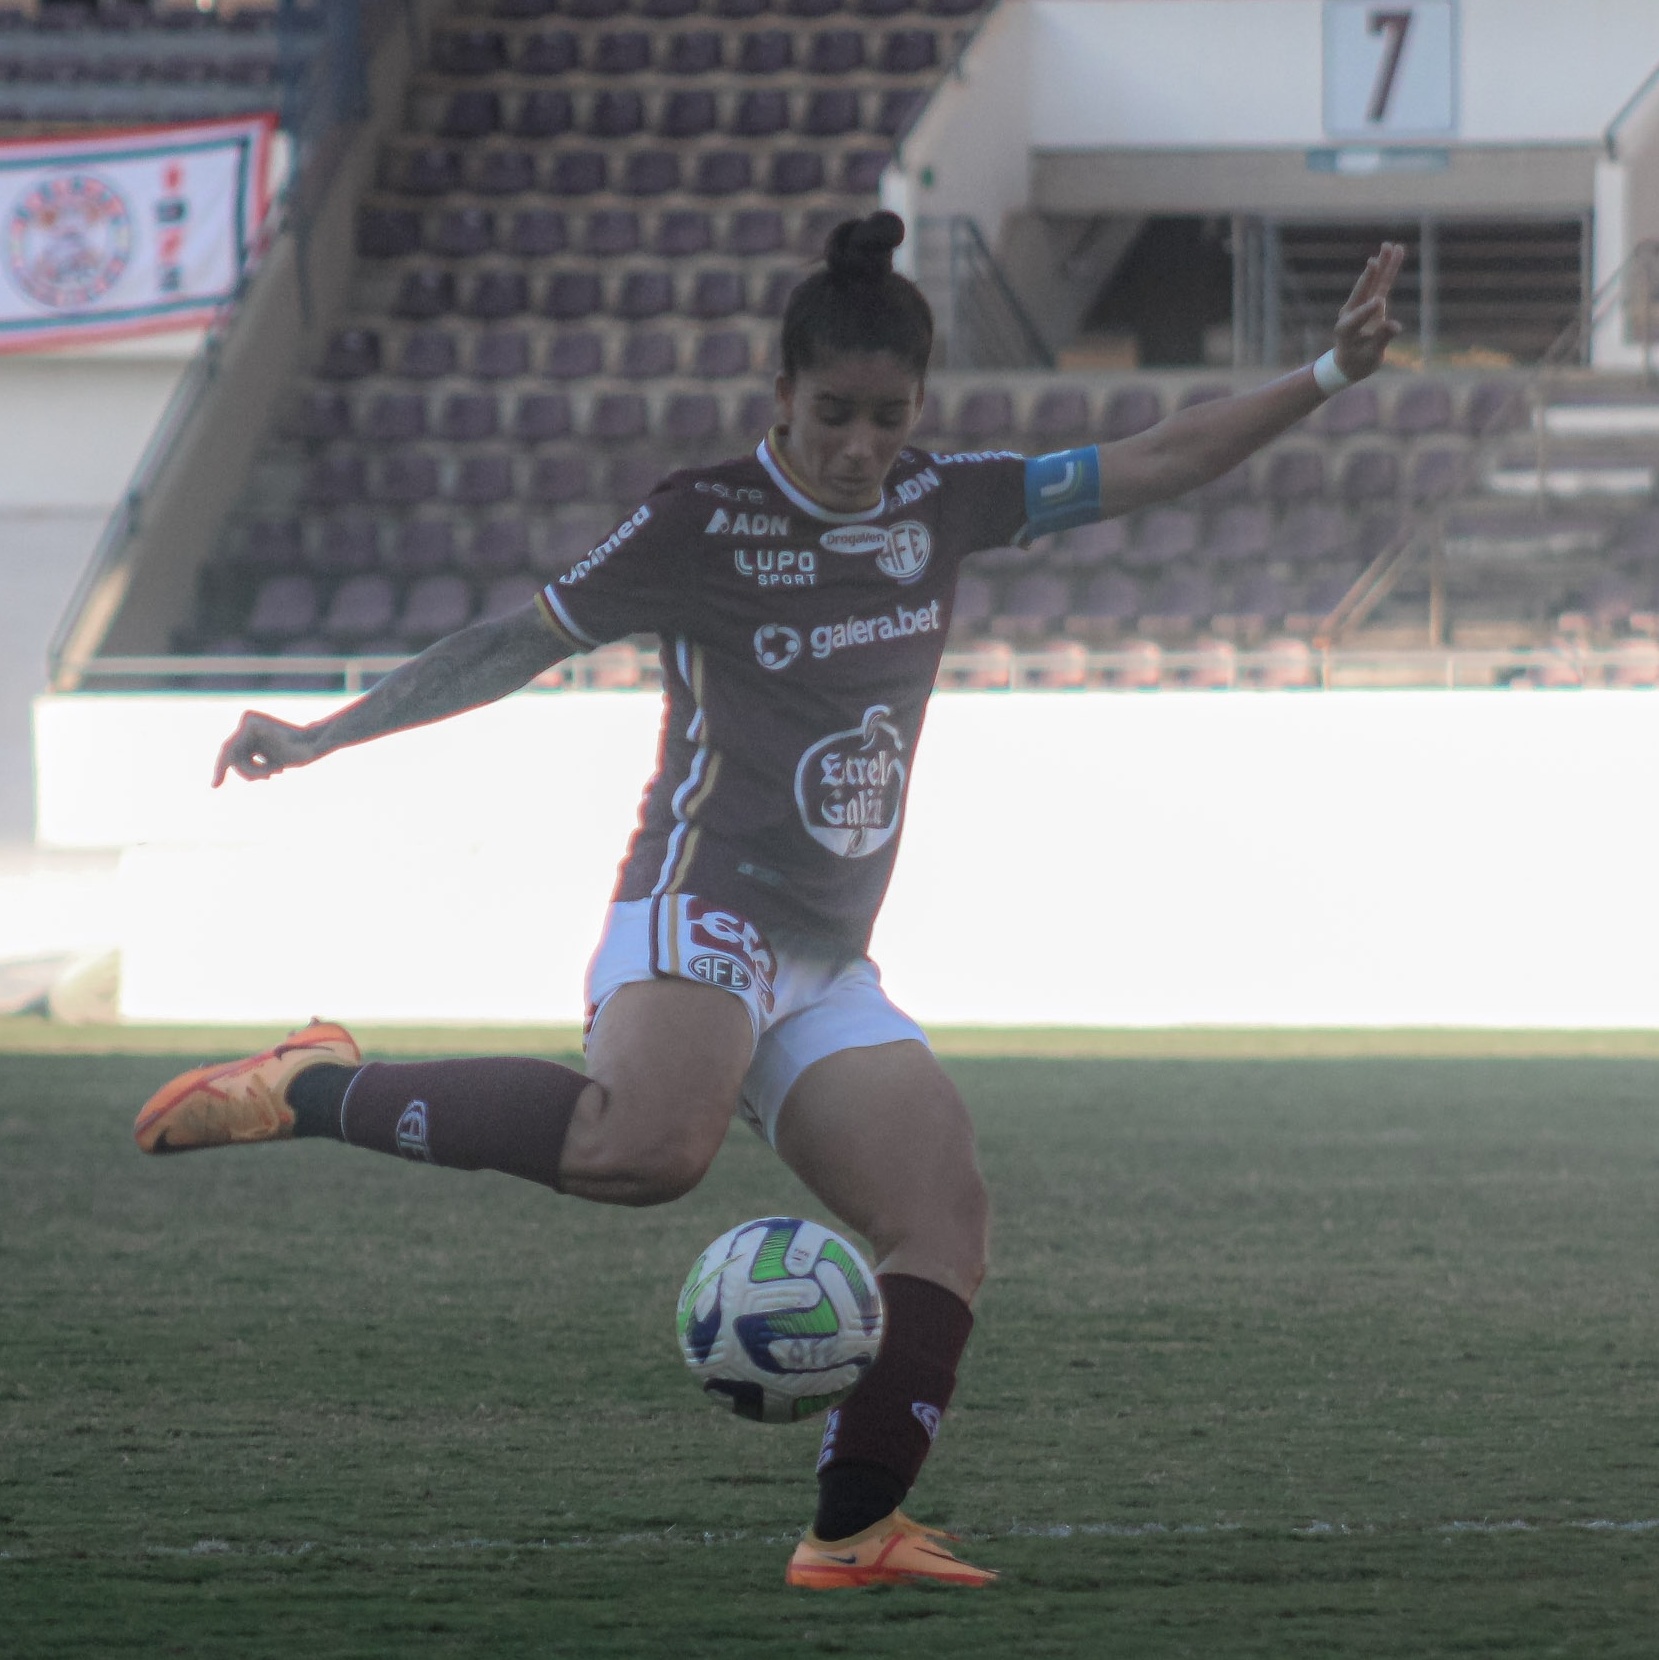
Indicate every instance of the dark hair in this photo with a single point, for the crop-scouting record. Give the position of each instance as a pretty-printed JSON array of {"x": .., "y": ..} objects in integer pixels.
[{"x": 858, "y": 302}]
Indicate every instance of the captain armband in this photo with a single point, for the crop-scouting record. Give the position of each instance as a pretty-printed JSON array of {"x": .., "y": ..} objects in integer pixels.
[{"x": 1062, "y": 491}]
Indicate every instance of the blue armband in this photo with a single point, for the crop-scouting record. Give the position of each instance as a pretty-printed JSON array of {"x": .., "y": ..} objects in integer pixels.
[{"x": 1061, "y": 491}]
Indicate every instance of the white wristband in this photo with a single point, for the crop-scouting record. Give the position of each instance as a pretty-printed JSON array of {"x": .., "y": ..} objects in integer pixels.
[{"x": 1327, "y": 377}]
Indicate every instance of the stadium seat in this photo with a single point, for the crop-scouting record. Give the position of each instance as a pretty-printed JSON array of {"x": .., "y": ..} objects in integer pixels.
[
  {"x": 831, "y": 113},
  {"x": 1032, "y": 606},
  {"x": 723, "y": 173},
  {"x": 421, "y": 547},
  {"x": 551, "y": 52},
  {"x": 1059, "y": 419},
  {"x": 1493, "y": 407},
  {"x": 1163, "y": 535},
  {"x": 721, "y": 355},
  {"x": 717, "y": 294},
  {"x": 1354, "y": 410},
  {"x": 883, "y": 8},
  {"x": 499, "y": 548},
  {"x": 462, "y": 233},
  {"x": 505, "y": 595},
  {"x": 665, "y": 8},
  {"x": 427, "y": 354},
  {"x": 578, "y": 173},
  {"x": 1238, "y": 535},
  {"x": 284, "y": 608},
  {"x": 909, "y": 52},
  {"x": 1090, "y": 546},
  {"x": 568, "y": 539},
  {"x": 506, "y": 173},
  {"x": 1421, "y": 406},
  {"x": 739, "y": 8},
  {"x": 617, "y": 417},
  {"x": 469, "y": 51},
  {"x": 1437, "y": 474},
  {"x": 1312, "y": 531},
  {"x": 627, "y": 52},
  {"x": 406, "y": 478},
  {"x": 1230, "y": 487},
  {"x": 544, "y": 112},
  {"x": 541, "y": 417},
  {"x": 779, "y": 286},
  {"x": 611, "y": 233},
  {"x": 434, "y": 606},
  {"x": 351, "y": 353},
  {"x": 575, "y": 354},
  {"x": 272, "y": 545},
  {"x": 1295, "y": 474},
  {"x": 650, "y": 173},
  {"x": 690, "y": 418},
  {"x": 755, "y": 415},
  {"x": 572, "y": 295},
  {"x": 616, "y": 114},
  {"x": 388, "y": 233},
  {"x": 795, "y": 173},
  {"x": 835, "y": 52},
  {"x": 362, "y": 606},
  {"x": 688, "y": 115},
  {"x": 1370, "y": 475},
  {"x": 810, "y": 8},
  {"x": 591, "y": 9},
  {"x": 1130, "y": 411},
  {"x": 985, "y": 417},
  {"x": 474, "y": 113},
  {"x": 501, "y": 354},
  {"x": 861, "y": 170},
  {"x": 321, "y": 414},
  {"x": 424, "y": 293},
  {"x": 645, "y": 294},
  {"x": 898, "y": 110},
  {"x": 345, "y": 545},
  {"x": 633, "y": 477},
  {"x": 483, "y": 480},
  {"x": 431, "y": 170},
  {"x": 494, "y": 295},
  {"x": 1110, "y": 603},
  {"x": 1180, "y": 602},
  {"x": 648, "y": 355},
  {"x": 755, "y": 231},
  {"x": 761, "y": 114},
  {"x": 975, "y": 598},
  {"x": 558, "y": 479},
  {"x": 395, "y": 417},
  {"x": 766, "y": 52},
  {"x": 682, "y": 233},
  {"x": 334, "y": 480},
  {"x": 697, "y": 52},
  {"x": 1259, "y": 603}
]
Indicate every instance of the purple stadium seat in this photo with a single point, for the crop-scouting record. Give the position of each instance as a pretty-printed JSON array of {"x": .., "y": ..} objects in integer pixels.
[
  {"x": 1163, "y": 535},
  {"x": 717, "y": 294},
  {"x": 501, "y": 354},
  {"x": 469, "y": 51},
  {"x": 467, "y": 417},
  {"x": 273, "y": 545},
  {"x": 321, "y": 414},
  {"x": 861, "y": 170},
  {"x": 536, "y": 233},
  {"x": 388, "y": 233},
  {"x": 1111, "y": 601},
  {"x": 1059, "y": 419},
  {"x": 284, "y": 608},
  {"x": 664, "y": 8},
  {"x": 334, "y": 480},
  {"x": 430, "y": 170},
  {"x": 1260, "y": 601},
  {"x": 645, "y": 294},
  {"x": 557, "y": 479},
  {"x": 1182, "y": 600},
  {"x": 648, "y": 355},
  {"x": 691, "y": 418},
  {"x": 633, "y": 477},
  {"x": 616, "y": 115},
  {"x": 761, "y": 114},
  {"x": 569, "y": 538},
  {"x": 1230, "y": 487},
  {"x": 1295, "y": 474},
  {"x": 542, "y": 417},
  {"x": 406, "y": 478},
  {"x": 424, "y": 293},
  {"x": 1240, "y": 534},
  {"x": 483, "y": 480},
  {"x": 830, "y": 113},
  {"x": 625, "y": 53},
  {"x": 766, "y": 52},
  {"x": 463, "y": 233},
  {"x": 551, "y": 52},
  {"x": 1033, "y": 605},
  {"x": 650, "y": 173},
  {"x": 721, "y": 355},
  {"x": 1354, "y": 410},
  {"x": 779, "y": 286},
  {"x": 427, "y": 353},
  {"x": 421, "y": 547},
  {"x": 497, "y": 294},
  {"x": 810, "y": 8},
  {"x": 578, "y": 173},
  {"x": 575, "y": 354},
  {"x": 362, "y": 606},
  {"x": 1370, "y": 475},
  {"x": 688, "y": 115},
  {"x": 1438, "y": 474},
  {"x": 1324, "y": 594},
  {"x": 618, "y": 417},
  {"x": 898, "y": 110},
  {"x": 881, "y": 8},
  {"x": 755, "y": 231},
  {"x": 504, "y": 172},
  {"x": 344, "y": 546},
  {"x": 506, "y": 595},
  {"x": 984, "y": 418},
  {"x": 1090, "y": 546},
  {"x": 523, "y": 8},
  {"x": 544, "y": 112},
  {"x": 500, "y": 547},
  {"x": 395, "y": 418},
  {"x": 1420, "y": 407},
  {"x": 473, "y": 113},
  {"x": 351, "y": 354},
  {"x": 591, "y": 9},
  {"x": 435, "y": 605},
  {"x": 795, "y": 172},
  {"x": 909, "y": 51},
  {"x": 738, "y": 8},
  {"x": 1131, "y": 410},
  {"x": 612, "y": 233},
  {"x": 682, "y": 232},
  {"x": 835, "y": 52},
  {"x": 1312, "y": 531},
  {"x": 697, "y": 52},
  {"x": 572, "y": 295},
  {"x": 756, "y": 414},
  {"x": 1495, "y": 406},
  {"x": 975, "y": 597},
  {"x": 723, "y": 173}
]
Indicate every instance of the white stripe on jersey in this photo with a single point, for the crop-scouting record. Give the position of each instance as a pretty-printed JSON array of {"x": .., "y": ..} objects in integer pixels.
[
  {"x": 579, "y": 635},
  {"x": 779, "y": 477},
  {"x": 695, "y": 730}
]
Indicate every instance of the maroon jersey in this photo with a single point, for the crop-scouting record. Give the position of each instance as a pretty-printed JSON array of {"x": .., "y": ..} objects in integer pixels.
[{"x": 799, "y": 647}]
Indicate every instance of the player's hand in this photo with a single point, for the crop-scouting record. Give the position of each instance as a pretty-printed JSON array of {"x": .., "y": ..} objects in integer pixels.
[
  {"x": 262, "y": 746},
  {"x": 1363, "y": 327}
]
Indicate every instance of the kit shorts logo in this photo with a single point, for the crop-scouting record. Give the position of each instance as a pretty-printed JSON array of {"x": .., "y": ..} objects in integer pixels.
[
  {"x": 909, "y": 546},
  {"x": 411, "y": 1133},
  {"x": 68, "y": 241},
  {"x": 725, "y": 972},
  {"x": 777, "y": 645}
]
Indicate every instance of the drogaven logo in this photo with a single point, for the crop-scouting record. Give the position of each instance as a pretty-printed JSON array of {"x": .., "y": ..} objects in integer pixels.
[
  {"x": 68, "y": 241},
  {"x": 854, "y": 539}
]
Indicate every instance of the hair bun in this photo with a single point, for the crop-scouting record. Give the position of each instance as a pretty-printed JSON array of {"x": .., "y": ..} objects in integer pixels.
[{"x": 861, "y": 250}]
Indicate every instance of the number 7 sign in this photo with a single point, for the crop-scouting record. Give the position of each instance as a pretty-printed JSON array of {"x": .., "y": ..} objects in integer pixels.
[{"x": 1390, "y": 69}]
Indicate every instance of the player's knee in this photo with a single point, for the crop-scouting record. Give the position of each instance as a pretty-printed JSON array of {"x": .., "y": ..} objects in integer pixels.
[
  {"x": 658, "y": 1151},
  {"x": 947, "y": 1225}
]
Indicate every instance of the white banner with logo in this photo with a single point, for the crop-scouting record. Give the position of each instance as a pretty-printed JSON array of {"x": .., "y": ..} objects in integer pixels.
[{"x": 128, "y": 232}]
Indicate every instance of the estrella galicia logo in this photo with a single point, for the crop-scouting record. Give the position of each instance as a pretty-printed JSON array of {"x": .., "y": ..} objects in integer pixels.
[
  {"x": 777, "y": 645},
  {"x": 68, "y": 241},
  {"x": 725, "y": 972},
  {"x": 1062, "y": 490},
  {"x": 909, "y": 546},
  {"x": 411, "y": 1133}
]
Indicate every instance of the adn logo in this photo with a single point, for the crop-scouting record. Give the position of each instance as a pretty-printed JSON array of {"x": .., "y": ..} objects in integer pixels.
[
  {"x": 411, "y": 1133},
  {"x": 908, "y": 547},
  {"x": 777, "y": 645},
  {"x": 854, "y": 539},
  {"x": 747, "y": 524},
  {"x": 726, "y": 972}
]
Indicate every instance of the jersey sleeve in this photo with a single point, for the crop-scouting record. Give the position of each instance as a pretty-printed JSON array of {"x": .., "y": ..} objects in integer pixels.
[
  {"x": 625, "y": 585},
  {"x": 1001, "y": 497}
]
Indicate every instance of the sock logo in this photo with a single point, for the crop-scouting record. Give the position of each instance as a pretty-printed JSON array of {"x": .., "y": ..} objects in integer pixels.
[
  {"x": 832, "y": 1426},
  {"x": 928, "y": 1417},
  {"x": 411, "y": 1133}
]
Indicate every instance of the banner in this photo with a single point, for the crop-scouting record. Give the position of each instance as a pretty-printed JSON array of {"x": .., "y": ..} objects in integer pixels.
[{"x": 128, "y": 232}]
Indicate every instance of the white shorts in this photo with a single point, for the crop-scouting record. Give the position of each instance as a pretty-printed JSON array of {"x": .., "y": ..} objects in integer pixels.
[{"x": 806, "y": 999}]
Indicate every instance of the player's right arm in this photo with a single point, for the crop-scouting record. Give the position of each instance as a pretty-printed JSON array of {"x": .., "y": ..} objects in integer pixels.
[{"x": 464, "y": 670}]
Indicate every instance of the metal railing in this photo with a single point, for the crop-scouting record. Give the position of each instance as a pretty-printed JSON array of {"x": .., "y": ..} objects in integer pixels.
[{"x": 988, "y": 327}]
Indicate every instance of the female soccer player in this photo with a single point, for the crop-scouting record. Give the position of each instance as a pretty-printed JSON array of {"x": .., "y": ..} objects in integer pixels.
[{"x": 802, "y": 595}]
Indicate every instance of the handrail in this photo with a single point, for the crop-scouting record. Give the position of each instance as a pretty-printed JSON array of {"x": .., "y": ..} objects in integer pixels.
[
  {"x": 968, "y": 248},
  {"x": 1610, "y": 139}
]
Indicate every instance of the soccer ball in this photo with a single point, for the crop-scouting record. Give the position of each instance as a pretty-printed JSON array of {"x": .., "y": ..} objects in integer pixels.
[{"x": 779, "y": 1319}]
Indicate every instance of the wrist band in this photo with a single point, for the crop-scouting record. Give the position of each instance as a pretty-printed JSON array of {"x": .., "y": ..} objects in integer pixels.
[{"x": 1327, "y": 377}]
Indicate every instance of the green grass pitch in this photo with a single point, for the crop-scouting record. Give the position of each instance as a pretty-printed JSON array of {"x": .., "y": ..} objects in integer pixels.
[{"x": 1288, "y": 1350}]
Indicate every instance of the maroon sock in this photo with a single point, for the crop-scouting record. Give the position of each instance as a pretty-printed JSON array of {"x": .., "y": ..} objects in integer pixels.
[
  {"x": 888, "y": 1423},
  {"x": 486, "y": 1114}
]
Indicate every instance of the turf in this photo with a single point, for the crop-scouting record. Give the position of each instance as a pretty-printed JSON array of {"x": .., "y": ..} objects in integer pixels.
[{"x": 1279, "y": 1357}]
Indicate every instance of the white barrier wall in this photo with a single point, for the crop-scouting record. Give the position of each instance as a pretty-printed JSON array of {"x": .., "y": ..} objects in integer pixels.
[{"x": 1346, "y": 859}]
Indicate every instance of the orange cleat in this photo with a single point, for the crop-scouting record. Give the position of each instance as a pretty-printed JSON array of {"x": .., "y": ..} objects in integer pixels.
[
  {"x": 215, "y": 1106},
  {"x": 895, "y": 1551}
]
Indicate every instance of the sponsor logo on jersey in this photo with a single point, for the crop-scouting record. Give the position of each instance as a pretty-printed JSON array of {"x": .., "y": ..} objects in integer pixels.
[
  {"x": 747, "y": 524},
  {"x": 726, "y": 972},
  {"x": 411, "y": 1133},
  {"x": 597, "y": 556},
  {"x": 778, "y": 567},
  {"x": 777, "y": 645},
  {"x": 967, "y": 457},
  {"x": 854, "y": 539},
  {"x": 908, "y": 546},
  {"x": 920, "y": 484},
  {"x": 901, "y": 623},
  {"x": 728, "y": 492},
  {"x": 928, "y": 1416},
  {"x": 849, "y": 787}
]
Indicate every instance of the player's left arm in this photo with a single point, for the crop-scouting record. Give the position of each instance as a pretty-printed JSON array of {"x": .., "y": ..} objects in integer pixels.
[{"x": 1196, "y": 445}]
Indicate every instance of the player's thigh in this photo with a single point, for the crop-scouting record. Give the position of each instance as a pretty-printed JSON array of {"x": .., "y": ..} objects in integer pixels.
[
  {"x": 670, "y": 1055},
  {"x": 882, "y": 1137}
]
